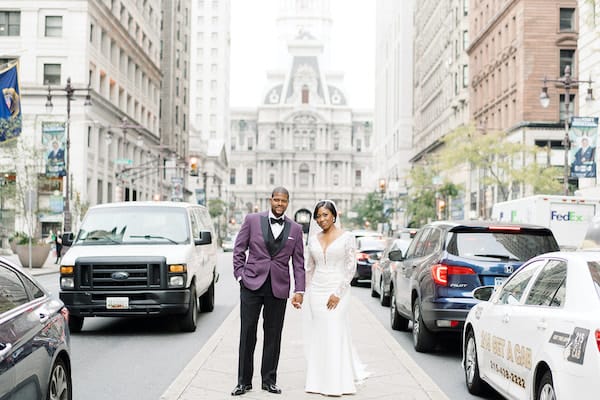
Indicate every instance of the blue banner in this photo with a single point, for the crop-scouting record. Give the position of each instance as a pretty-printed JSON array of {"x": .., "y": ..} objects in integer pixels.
[
  {"x": 582, "y": 155},
  {"x": 10, "y": 108},
  {"x": 54, "y": 139}
]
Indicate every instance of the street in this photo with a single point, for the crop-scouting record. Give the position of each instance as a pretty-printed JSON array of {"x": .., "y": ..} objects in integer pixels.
[{"x": 139, "y": 358}]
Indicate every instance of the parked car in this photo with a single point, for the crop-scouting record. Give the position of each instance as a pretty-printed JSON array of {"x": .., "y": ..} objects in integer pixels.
[
  {"x": 35, "y": 361},
  {"x": 368, "y": 249},
  {"x": 380, "y": 270},
  {"x": 229, "y": 242},
  {"x": 358, "y": 233},
  {"x": 433, "y": 283},
  {"x": 538, "y": 336},
  {"x": 140, "y": 259}
]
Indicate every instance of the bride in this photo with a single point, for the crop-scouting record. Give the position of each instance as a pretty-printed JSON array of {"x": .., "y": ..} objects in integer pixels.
[{"x": 333, "y": 367}]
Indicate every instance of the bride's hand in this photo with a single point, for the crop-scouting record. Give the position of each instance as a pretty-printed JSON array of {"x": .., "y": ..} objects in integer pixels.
[{"x": 332, "y": 302}]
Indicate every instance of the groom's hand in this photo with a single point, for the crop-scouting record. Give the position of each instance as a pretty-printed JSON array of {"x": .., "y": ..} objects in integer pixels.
[{"x": 297, "y": 300}]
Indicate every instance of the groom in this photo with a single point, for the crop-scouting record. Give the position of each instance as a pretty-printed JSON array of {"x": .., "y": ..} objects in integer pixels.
[{"x": 271, "y": 240}]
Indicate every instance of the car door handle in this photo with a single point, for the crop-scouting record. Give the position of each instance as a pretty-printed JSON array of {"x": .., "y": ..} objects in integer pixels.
[
  {"x": 505, "y": 318},
  {"x": 44, "y": 317},
  {"x": 542, "y": 325},
  {"x": 6, "y": 348}
]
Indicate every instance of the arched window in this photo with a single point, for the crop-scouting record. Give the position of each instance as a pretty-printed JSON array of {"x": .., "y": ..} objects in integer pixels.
[
  {"x": 303, "y": 175},
  {"x": 304, "y": 94}
]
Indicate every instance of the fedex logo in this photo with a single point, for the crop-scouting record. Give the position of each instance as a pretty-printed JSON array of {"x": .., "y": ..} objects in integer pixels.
[{"x": 568, "y": 216}]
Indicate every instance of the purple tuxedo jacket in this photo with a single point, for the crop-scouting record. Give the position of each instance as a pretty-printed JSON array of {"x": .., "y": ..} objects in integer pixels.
[{"x": 254, "y": 267}]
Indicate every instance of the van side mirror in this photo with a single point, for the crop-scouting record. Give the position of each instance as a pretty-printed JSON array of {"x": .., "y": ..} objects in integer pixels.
[
  {"x": 67, "y": 239},
  {"x": 396, "y": 255},
  {"x": 205, "y": 237}
]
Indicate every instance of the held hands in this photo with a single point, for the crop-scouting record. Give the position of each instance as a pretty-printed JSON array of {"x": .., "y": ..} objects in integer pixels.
[
  {"x": 332, "y": 302},
  {"x": 297, "y": 300}
]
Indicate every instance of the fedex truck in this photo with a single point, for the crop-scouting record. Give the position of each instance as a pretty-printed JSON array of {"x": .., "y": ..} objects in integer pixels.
[{"x": 567, "y": 216}]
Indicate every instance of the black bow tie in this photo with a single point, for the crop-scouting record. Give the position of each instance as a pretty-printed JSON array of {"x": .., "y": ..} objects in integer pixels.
[{"x": 276, "y": 221}]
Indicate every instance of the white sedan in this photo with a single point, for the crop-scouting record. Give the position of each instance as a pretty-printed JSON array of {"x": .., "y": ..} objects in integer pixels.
[{"x": 538, "y": 335}]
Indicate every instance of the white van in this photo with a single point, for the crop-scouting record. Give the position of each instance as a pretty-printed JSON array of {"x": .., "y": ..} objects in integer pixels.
[{"x": 140, "y": 259}]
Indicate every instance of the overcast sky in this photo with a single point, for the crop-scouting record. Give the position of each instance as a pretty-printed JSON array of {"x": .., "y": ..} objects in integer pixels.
[{"x": 253, "y": 46}]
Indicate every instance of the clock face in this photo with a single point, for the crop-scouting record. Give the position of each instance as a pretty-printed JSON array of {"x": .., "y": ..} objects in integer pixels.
[{"x": 274, "y": 97}]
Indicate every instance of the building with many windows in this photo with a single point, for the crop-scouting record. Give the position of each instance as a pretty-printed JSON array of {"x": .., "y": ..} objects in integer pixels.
[
  {"x": 304, "y": 135},
  {"x": 110, "y": 50}
]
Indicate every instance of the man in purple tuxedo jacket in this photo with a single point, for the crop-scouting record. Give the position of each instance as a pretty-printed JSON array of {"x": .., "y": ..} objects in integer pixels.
[{"x": 271, "y": 240}]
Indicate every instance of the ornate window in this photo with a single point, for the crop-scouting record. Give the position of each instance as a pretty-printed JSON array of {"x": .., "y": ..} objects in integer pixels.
[
  {"x": 304, "y": 175},
  {"x": 305, "y": 94}
]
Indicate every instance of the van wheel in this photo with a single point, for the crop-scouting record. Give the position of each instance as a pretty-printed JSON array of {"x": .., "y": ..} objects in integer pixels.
[
  {"x": 398, "y": 322},
  {"x": 75, "y": 323},
  {"x": 423, "y": 338},
  {"x": 190, "y": 318},
  {"x": 207, "y": 300}
]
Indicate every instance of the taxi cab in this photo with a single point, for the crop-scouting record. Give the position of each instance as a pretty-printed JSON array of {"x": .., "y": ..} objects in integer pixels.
[{"x": 538, "y": 335}]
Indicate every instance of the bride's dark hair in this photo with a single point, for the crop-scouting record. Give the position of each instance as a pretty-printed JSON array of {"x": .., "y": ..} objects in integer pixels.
[{"x": 328, "y": 205}]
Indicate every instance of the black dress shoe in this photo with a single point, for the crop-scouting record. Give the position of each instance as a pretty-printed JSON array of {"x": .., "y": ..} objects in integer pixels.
[
  {"x": 271, "y": 388},
  {"x": 240, "y": 389}
]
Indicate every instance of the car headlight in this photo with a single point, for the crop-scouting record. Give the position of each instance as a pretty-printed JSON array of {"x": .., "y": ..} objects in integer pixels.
[
  {"x": 176, "y": 281},
  {"x": 67, "y": 282}
]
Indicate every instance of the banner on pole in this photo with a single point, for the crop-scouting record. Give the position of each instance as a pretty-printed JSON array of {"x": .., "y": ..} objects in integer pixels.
[
  {"x": 584, "y": 137},
  {"x": 54, "y": 139},
  {"x": 10, "y": 108}
]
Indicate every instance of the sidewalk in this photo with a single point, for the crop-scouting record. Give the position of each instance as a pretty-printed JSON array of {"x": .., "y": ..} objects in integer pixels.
[
  {"x": 212, "y": 373},
  {"x": 48, "y": 268}
]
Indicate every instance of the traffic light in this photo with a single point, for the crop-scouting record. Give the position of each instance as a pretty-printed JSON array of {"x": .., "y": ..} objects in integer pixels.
[
  {"x": 193, "y": 166},
  {"x": 441, "y": 208},
  {"x": 382, "y": 185}
]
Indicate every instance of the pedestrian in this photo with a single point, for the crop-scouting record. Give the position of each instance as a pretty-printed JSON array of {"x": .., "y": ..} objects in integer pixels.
[
  {"x": 332, "y": 365},
  {"x": 271, "y": 239},
  {"x": 58, "y": 246}
]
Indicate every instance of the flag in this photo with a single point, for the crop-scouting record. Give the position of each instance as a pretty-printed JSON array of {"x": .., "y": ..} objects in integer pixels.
[{"x": 10, "y": 108}]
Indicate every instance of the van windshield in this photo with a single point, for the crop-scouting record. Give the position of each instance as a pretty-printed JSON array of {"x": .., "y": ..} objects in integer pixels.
[{"x": 134, "y": 225}]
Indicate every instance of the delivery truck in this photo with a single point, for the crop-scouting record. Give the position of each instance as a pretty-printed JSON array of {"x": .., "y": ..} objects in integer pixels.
[{"x": 567, "y": 216}]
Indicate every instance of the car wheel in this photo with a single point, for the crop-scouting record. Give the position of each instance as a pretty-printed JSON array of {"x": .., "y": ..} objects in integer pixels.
[
  {"x": 383, "y": 299},
  {"x": 373, "y": 291},
  {"x": 475, "y": 385},
  {"x": 354, "y": 282},
  {"x": 59, "y": 387},
  {"x": 190, "y": 318},
  {"x": 75, "y": 323},
  {"x": 546, "y": 389},
  {"x": 398, "y": 322},
  {"x": 423, "y": 338},
  {"x": 207, "y": 300}
]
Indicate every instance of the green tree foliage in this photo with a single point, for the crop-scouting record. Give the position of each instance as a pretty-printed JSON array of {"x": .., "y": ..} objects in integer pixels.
[
  {"x": 369, "y": 210},
  {"x": 216, "y": 208},
  {"x": 501, "y": 161}
]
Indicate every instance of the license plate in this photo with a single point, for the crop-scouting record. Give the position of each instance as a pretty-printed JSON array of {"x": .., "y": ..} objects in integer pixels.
[
  {"x": 117, "y": 303},
  {"x": 498, "y": 281}
]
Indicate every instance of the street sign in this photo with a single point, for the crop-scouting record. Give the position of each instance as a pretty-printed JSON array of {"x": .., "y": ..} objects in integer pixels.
[{"x": 124, "y": 161}]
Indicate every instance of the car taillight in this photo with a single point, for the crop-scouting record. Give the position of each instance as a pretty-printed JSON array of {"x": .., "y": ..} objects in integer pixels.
[
  {"x": 362, "y": 257},
  {"x": 598, "y": 339},
  {"x": 440, "y": 272}
]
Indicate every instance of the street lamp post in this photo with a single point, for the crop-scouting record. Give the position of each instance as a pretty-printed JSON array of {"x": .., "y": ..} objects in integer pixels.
[
  {"x": 567, "y": 82},
  {"x": 69, "y": 92}
]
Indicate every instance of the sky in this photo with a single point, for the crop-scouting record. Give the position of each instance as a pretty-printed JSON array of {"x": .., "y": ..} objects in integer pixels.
[{"x": 254, "y": 40}]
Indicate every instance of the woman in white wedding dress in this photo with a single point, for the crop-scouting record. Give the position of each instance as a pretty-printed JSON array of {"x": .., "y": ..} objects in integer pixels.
[{"x": 333, "y": 367}]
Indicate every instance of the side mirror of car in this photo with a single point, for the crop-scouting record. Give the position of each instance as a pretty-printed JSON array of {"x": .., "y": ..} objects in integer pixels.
[
  {"x": 67, "y": 239},
  {"x": 483, "y": 293},
  {"x": 396, "y": 255},
  {"x": 205, "y": 237}
]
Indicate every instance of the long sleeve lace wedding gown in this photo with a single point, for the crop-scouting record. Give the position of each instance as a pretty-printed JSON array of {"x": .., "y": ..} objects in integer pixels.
[{"x": 333, "y": 367}]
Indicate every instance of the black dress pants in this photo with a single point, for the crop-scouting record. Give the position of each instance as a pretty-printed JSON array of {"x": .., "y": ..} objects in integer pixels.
[{"x": 251, "y": 303}]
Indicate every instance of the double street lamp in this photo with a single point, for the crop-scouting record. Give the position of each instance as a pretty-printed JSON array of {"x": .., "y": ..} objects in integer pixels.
[
  {"x": 69, "y": 91},
  {"x": 567, "y": 82}
]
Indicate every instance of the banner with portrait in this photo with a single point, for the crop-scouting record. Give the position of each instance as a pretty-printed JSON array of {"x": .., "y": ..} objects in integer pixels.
[
  {"x": 10, "y": 108},
  {"x": 584, "y": 137},
  {"x": 53, "y": 140}
]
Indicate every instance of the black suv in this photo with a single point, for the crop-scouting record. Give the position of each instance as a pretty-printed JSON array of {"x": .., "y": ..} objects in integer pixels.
[{"x": 432, "y": 284}]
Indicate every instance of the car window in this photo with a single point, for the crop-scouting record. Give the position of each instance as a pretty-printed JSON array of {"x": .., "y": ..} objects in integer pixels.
[
  {"x": 500, "y": 245},
  {"x": 513, "y": 289},
  {"x": 12, "y": 291},
  {"x": 594, "y": 268},
  {"x": 548, "y": 287},
  {"x": 34, "y": 290},
  {"x": 432, "y": 242},
  {"x": 410, "y": 252},
  {"x": 421, "y": 243}
]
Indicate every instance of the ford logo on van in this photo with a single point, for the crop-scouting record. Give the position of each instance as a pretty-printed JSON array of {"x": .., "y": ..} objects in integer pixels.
[{"x": 119, "y": 275}]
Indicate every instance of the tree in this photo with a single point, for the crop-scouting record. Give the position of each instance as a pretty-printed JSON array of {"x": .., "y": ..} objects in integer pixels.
[
  {"x": 217, "y": 208},
  {"x": 503, "y": 162},
  {"x": 369, "y": 211}
]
